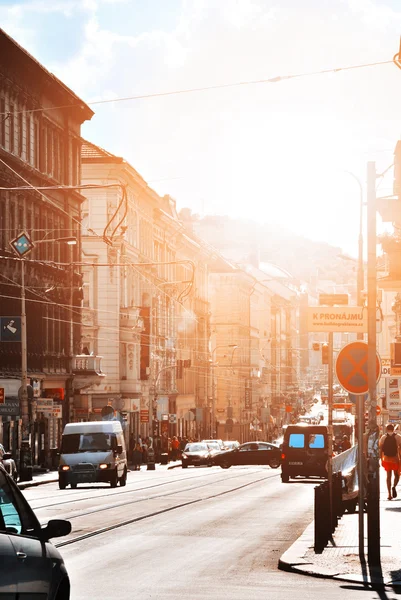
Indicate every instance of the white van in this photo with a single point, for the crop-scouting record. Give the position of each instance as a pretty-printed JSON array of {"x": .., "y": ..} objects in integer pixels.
[{"x": 92, "y": 452}]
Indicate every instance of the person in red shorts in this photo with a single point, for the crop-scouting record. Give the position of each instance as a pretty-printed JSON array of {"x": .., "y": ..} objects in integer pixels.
[{"x": 390, "y": 452}]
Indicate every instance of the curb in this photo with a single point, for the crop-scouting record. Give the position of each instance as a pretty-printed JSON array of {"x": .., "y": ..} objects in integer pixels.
[
  {"x": 293, "y": 561},
  {"x": 24, "y": 485}
]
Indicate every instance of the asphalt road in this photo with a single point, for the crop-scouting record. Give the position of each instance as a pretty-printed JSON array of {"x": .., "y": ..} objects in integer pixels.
[{"x": 195, "y": 534}]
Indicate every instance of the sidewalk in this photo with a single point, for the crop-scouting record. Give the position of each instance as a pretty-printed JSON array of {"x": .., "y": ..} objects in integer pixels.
[
  {"x": 342, "y": 560},
  {"x": 52, "y": 476}
]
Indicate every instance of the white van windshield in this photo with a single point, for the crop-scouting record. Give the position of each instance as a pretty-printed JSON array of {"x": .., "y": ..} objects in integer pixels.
[{"x": 88, "y": 442}]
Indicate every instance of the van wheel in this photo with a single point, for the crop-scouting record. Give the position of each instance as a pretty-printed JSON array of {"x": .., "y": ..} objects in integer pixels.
[
  {"x": 62, "y": 484},
  {"x": 73, "y": 486},
  {"x": 114, "y": 479},
  {"x": 123, "y": 480},
  {"x": 285, "y": 477}
]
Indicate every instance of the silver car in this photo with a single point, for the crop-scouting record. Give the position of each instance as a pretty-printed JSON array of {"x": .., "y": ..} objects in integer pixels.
[{"x": 31, "y": 567}]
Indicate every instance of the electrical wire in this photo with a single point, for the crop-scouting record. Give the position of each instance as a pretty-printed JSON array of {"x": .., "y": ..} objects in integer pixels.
[{"x": 276, "y": 79}]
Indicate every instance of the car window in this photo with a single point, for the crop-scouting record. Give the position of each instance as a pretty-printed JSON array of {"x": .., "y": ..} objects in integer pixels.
[
  {"x": 14, "y": 515},
  {"x": 316, "y": 440},
  {"x": 264, "y": 447},
  {"x": 297, "y": 440},
  {"x": 245, "y": 448}
]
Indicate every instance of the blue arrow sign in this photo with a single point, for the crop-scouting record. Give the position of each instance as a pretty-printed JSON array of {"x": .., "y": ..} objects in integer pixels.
[{"x": 22, "y": 244}]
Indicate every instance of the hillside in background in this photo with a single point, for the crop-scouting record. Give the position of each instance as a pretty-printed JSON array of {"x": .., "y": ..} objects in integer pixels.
[{"x": 248, "y": 241}]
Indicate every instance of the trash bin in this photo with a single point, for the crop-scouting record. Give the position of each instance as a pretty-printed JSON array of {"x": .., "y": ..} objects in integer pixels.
[
  {"x": 164, "y": 458},
  {"x": 151, "y": 460},
  {"x": 25, "y": 462}
]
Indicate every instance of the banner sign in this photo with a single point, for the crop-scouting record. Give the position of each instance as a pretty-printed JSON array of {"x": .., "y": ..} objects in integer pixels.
[{"x": 350, "y": 319}]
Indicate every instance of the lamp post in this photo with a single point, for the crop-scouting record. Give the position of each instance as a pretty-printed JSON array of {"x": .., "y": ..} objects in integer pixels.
[
  {"x": 22, "y": 245},
  {"x": 213, "y": 420}
]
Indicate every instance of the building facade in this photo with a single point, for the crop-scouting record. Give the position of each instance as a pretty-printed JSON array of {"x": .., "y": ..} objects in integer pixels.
[{"x": 39, "y": 152}]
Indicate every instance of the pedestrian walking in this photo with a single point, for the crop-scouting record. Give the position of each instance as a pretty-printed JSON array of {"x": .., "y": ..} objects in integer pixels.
[
  {"x": 175, "y": 446},
  {"x": 390, "y": 450},
  {"x": 345, "y": 443},
  {"x": 137, "y": 457}
]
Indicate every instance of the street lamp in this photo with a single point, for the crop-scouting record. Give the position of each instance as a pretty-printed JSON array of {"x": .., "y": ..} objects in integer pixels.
[
  {"x": 213, "y": 364},
  {"x": 22, "y": 245}
]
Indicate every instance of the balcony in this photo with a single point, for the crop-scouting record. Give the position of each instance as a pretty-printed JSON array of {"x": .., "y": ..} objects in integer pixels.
[{"x": 87, "y": 370}]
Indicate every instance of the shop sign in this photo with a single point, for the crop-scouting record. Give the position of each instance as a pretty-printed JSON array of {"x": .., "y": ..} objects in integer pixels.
[
  {"x": 55, "y": 393},
  {"x": 10, "y": 407},
  {"x": 144, "y": 416}
]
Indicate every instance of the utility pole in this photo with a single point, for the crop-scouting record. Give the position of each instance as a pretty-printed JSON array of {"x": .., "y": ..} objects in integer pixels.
[
  {"x": 330, "y": 425},
  {"x": 373, "y": 432}
]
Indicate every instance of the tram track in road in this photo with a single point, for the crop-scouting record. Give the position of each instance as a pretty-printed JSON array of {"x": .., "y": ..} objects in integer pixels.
[
  {"x": 158, "y": 512},
  {"x": 72, "y": 493},
  {"x": 164, "y": 495}
]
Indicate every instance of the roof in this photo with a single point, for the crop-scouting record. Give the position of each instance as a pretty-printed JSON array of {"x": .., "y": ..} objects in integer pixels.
[
  {"x": 92, "y": 153},
  {"x": 74, "y": 99},
  {"x": 93, "y": 426}
]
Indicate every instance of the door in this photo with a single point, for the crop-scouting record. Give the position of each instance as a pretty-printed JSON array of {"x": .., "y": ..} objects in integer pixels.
[
  {"x": 246, "y": 454},
  {"x": 33, "y": 567},
  {"x": 9, "y": 566},
  {"x": 264, "y": 455}
]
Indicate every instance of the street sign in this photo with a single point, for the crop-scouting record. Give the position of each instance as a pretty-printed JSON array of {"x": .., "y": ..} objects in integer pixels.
[
  {"x": 144, "y": 416},
  {"x": 378, "y": 410},
  {"x": 10, "y": 329},
  {"x": 22, "y": 244},
  {"x": 332, "y": 299},
  {"x": 349, "y": 319},
  {"x": 172, "y": 418},
  {"x": 352, "y": 367}
]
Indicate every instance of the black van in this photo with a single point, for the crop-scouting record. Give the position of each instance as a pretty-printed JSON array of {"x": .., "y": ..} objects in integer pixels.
[{"x": 304, "y": 451}]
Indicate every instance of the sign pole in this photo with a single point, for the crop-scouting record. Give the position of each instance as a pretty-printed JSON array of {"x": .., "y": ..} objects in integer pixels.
[
  {"x": 24, "y": 362},
  {"x": 330, "y": 425},
  {"x": 360, "y": 406},
  {"x": 373, "y": 433}
]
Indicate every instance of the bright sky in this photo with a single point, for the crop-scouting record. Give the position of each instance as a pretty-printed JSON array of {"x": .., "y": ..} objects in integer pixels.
[{"x": 273, "y": 152}]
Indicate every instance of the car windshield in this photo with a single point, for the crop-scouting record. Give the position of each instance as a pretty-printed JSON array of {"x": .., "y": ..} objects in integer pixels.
[
  {"x": 74, "y": 443},
  {"x": 195, "y": 448},
  {"x": 213, "y": 446}
]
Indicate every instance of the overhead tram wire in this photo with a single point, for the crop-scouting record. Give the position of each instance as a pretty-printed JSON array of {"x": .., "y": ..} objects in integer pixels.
[{"x": 276, "y": 79}]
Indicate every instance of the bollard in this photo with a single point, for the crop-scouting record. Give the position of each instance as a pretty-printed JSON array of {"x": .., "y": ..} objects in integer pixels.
[{"x": 322, "y": 517}]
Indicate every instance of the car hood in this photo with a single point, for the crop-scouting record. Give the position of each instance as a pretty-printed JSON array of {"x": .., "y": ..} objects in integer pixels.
[{"x": 200, "y": 453}]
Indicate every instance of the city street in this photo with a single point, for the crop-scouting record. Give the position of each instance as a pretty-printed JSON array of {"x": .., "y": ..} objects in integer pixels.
[{"x": 198, "y": 533}]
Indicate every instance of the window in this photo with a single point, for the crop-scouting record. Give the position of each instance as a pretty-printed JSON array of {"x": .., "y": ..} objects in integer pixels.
[
  {"x": 36, "y": 145},
  {"x": 316, "y": 440},
  {"x": 297, "y": 440},
  {"x": 28, "y": 137},
  {"x": 14, "y": 513},
  {"x": 75, "y": 443},
  {"x": 3, "y": 118},
  {"x": 11, "y": 128},
  {"x": 20, "y": 133}
]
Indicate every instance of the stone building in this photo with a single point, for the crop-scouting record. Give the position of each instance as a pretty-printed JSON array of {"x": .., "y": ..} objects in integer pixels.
[{"x": 40, "y": 121}]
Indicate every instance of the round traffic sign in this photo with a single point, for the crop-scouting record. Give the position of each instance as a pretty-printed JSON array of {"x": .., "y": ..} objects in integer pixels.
[
  {"x": 378, "y": 410},
  {"x": 352, "y": 367}
]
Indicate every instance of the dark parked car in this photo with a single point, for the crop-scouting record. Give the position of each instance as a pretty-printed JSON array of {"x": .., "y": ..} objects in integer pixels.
[
  {"x": 251, "y": 453},
  {"x": 197, "y": 454},
  {"x": 31, "y": 567}
]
